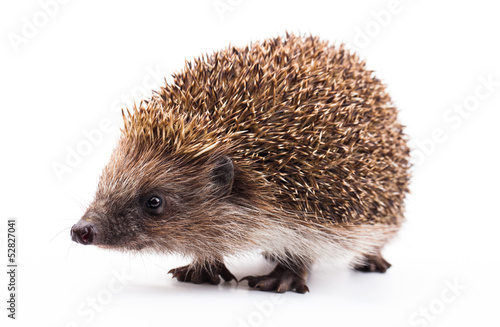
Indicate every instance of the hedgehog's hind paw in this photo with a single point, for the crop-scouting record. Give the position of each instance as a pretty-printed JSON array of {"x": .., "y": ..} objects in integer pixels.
[
  {"x": 373, "y": 263},
  {"x": 197, "y": 275},
  {"x": 281, "y": 280}
]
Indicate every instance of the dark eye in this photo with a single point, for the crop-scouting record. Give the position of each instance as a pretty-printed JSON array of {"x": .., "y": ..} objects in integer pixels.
[{"x": 154, "y": 202}]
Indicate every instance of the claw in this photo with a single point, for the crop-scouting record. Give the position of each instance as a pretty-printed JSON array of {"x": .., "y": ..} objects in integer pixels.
[
  {"x": 226, "y": 275},
  {"x": 197, "y": 276},
  {"x": 302, "y": 289},
  {"x": 250, "y": 280},
  {"x": 374, "y": 263},
  {"x": 280, "y": 280}
]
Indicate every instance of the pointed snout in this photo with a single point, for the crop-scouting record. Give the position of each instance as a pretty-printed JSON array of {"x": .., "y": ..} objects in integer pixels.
[{"x": 83, "y": 232}]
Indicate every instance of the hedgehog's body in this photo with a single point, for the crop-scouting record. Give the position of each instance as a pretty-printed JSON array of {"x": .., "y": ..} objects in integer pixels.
[{"x": 288, "y": 146}]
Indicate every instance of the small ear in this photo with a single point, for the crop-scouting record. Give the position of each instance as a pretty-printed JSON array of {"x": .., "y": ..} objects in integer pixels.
[{"x": 223, "y": 176}]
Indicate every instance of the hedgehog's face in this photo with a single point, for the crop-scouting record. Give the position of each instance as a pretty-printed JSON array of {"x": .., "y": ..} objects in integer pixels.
[{"x": 146, "y": 202}]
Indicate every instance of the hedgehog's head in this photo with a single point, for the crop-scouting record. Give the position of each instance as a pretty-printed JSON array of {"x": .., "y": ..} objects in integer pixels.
[{"x": 157, "y": 196}]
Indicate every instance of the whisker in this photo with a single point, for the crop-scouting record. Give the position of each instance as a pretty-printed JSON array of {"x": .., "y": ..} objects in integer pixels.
[
  {"x": 157, "y": 265},
  {"x": 79, "y": 200},
  {"x": 72, "y": 219},
  {"x": 143, "y": 263},
  {"x": 67, "y": 253},
  {"x": 64, "y": 229}
]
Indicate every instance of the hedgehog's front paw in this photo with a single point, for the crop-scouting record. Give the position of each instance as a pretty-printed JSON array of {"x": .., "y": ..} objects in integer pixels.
[
  {"x": 197, "y": 275},
  {"x": 281, "y": 279},
  {"x": 373, "y": 263}
]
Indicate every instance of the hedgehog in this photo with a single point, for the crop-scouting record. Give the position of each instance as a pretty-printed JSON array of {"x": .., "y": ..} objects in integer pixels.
[{"x": 289, "y": 147}]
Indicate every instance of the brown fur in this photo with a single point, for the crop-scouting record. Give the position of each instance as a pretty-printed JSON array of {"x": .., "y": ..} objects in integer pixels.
[
  {"x": 318, "y": 155},
  {"x": 309, "y": 127}
]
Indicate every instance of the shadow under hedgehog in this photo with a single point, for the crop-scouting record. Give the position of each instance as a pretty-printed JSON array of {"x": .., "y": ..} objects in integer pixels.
[{"x": 289, "y": 147}]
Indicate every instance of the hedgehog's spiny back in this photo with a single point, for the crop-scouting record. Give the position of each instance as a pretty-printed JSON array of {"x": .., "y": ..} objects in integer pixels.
[{"x": 310, "y": 123}]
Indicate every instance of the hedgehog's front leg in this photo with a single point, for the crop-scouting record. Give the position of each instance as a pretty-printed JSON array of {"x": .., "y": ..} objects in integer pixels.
[
  {"x": 291, "y": 277},
  {"x": 203, "y": 273}
]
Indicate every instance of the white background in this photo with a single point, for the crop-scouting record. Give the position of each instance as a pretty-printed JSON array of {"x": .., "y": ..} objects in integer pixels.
[{"x": 67, "y": 77}]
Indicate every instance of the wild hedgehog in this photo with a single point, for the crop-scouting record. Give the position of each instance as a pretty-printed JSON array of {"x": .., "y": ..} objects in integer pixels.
[{"x": 289, "y": 147}]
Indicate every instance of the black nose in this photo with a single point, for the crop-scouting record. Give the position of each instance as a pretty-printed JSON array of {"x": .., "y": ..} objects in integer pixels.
[{"x": 83, "y": 232}]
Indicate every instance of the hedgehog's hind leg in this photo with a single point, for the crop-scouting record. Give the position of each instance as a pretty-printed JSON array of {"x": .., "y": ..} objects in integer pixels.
[
  {"x": 373, "y": 263},
  {"x": 283, "y": 278},
  {"x": 203, "y": 273}
]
